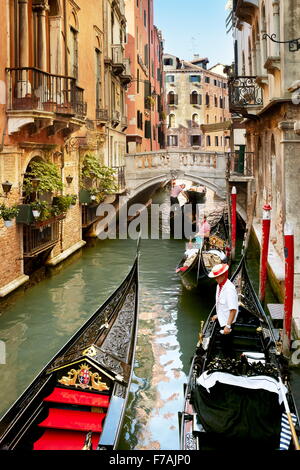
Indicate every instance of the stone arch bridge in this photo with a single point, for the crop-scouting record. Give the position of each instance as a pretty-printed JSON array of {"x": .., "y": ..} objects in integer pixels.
[{"x": 144, "y": 170}]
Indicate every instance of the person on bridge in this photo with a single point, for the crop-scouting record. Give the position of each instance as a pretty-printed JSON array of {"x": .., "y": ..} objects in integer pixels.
[
  {"x": 227, "y": 307},
  {"x": 175, "y": 191}
]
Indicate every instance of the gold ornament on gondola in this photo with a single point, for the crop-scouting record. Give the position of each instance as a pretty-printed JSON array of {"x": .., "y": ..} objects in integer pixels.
[{"x": 84, "y": 378}]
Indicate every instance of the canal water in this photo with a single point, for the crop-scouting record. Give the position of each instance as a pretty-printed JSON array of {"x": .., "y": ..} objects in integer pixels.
[{"x": 36, "y": 324}]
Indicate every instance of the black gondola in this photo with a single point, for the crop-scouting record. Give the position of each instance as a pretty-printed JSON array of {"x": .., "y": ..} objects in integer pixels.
[
  {"x": 196, "y": 195},
  {"x": 78, "y": 401},
  {"x": 237, "y": 402},
  {"x": 195, "y": 275}
]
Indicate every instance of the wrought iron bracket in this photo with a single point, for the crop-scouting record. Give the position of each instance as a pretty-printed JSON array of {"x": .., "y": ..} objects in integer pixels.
[{"x": 294, "y": 44}]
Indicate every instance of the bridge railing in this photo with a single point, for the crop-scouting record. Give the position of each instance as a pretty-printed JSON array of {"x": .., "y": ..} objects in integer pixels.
[{"x": 164, "y": 160}]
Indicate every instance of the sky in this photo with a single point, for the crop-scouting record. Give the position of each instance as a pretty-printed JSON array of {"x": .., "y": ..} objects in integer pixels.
[{"x": 195, "y": 27}]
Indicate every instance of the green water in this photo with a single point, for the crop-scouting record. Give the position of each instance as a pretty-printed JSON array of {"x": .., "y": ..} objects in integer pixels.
[{"x": 36, "y": 324}]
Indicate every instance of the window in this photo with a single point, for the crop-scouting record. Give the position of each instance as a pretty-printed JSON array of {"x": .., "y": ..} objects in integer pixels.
[
  {"x": 170, "y": 78},
  {"x": 172, "y": 98},
  {"x": 216, "y": 101},
  {"x": 98, "y": 79},
  {"x": 207, "y": 80},
  {"x": 148, "y": 129},
  {"x": 145, "y": 18},
  {"x": 195, "y": 98},
  {"x": 74, "y": 52},
  {"x": 140, "y": 120},
  {"x": 168, "y": 61},
  {"x": 208, "y": 141},
  {"x": 172, "y": 141},
  {"x": 195, "y": 140},
  {"x": 217, "y": 141},
  {"x": 207, "y": 99},
  {"x": 215, "y": 82},
  {"x": 146, "y": 54},
  {"x": 221, "y": 102},
  {"x": 195, "y": 78},
  {"x": 172, "y": 120},
  {"x": 138, "y": 81},
  {"x": 195, "y": 120}
]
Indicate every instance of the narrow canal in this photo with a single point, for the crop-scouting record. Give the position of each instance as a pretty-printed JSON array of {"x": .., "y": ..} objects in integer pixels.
[{"x": 36, "y": 324}]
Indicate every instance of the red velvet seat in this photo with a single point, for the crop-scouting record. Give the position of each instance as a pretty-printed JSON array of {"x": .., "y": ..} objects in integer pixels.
[
  {"x": 74, "y": 397},
  {"x": 73, "y": 420},
  {"x": 54, "y": 439}
]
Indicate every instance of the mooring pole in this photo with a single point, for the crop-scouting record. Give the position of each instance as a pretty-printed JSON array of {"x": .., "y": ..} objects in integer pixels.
[
  {"x": 289, "y": 253},
  {"x": 233, "y": 222},
  {"x": 266, "y": 225}
]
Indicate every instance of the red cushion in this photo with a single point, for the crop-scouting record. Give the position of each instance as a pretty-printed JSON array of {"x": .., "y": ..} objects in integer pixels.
[
  {"x": 74, "y": 397},
  {"x": 184, "y": 268},
  {"x": 73, "y": 420},
  {"x": 53, "y": 439}
]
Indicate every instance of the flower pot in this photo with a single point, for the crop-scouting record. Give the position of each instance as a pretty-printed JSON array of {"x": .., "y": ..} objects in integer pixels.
[
  {"x": 8, "y": 223},
  {"x": 36, "y": 214}
]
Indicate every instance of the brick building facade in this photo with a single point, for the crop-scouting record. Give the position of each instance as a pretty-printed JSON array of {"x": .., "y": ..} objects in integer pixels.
[{"x": 145, "y": 95}]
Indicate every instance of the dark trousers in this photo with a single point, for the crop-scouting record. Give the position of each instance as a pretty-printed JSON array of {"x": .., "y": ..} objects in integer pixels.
[
  {"x": 227, "y": 343},
  {"x": 174, "y": 200}
]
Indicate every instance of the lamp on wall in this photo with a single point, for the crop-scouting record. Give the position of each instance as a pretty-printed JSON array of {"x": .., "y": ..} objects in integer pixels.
[
  {"x": 69, "y": 179},
  {"x": 6, "y": 187},
  {"x": 35, "y": 183}
]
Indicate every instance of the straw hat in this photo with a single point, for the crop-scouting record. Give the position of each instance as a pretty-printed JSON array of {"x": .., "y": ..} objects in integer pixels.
[{"x": 218, "y": 270}]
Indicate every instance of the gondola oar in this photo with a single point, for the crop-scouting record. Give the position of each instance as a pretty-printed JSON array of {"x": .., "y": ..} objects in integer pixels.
[{"x": 289, "y": 416}]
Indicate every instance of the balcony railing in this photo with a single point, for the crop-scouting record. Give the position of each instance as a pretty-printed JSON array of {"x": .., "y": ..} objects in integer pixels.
[
  {"x": 244, "y": 93},
  {"x": 118, "y": 58},
  {"x": 39, "y": 239},
  {"x": 89, "y": 215},
  {"x": 102, "y": 114},
  {"x": 241, "y": 163},
  {"x": 32, "y": 89},
  {"x": 120, "y": 177}
]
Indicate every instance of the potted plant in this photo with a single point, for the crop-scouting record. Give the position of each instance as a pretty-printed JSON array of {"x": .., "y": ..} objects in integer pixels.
[
  {"x": 36, "y": 209},
  {"x": 74, "y": 199},
  {"x": 93, "y": 193},
  {"x": 8, "y": 214}
]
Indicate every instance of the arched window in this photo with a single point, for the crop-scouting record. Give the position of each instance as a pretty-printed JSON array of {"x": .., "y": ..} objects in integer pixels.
[
  {"x": 195, "y": 98},
  {"x": 172, "y": 98},
  {"x": 195, "y": 120},
  {"x": 172, "y": 120}
]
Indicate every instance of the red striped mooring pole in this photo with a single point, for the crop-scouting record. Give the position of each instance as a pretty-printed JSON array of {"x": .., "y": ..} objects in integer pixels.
[
  {"x": 233, "y": 222},
  {"x": 266, "y": 225},
  {"x": 289, "y": 253}
]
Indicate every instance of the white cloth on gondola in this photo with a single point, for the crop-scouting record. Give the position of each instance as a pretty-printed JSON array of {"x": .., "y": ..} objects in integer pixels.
[{"x": 263, "y": 382}]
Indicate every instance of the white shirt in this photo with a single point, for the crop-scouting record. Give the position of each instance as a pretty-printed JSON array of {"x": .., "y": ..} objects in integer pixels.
[{"x": 226, "y": 301}]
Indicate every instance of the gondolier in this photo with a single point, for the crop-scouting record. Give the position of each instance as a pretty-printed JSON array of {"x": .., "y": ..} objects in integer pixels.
[
  {"x": 226, "y": 306},
  {"x": 175, "y": 191}
]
